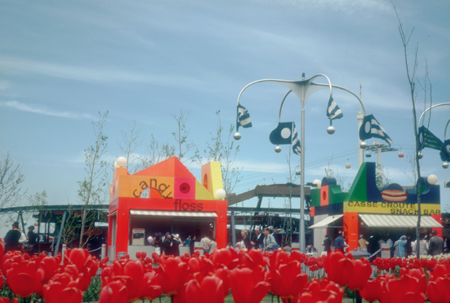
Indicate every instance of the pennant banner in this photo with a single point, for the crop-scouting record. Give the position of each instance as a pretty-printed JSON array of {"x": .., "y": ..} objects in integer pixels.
[
  {"x": 333, "y": 110},
  {"x": 243, "y": 118},
  {"x": 286, "y": 133},
  {"x": 445, "y": 151},
  {"x": 428, "y": 139},
  {"x": 371, "y": 128}
]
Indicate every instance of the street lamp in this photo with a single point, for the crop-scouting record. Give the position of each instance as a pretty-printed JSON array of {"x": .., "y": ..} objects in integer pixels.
[{"x": 303, "y": 89}]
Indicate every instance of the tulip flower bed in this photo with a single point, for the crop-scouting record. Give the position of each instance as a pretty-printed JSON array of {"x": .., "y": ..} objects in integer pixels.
[{"x": 250, "y": 276}]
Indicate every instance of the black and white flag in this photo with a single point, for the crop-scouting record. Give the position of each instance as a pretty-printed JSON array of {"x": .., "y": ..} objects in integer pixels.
[
  {"x": 286, "y": 133},
  {"x": 243, "y": 118},
  {"x": 333, "y": 110},
  {"x": 371, "y": 128}
]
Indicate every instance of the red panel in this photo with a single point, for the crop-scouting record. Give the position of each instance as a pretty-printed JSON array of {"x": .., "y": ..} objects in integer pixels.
[
  {"x": 351, "y": 229},
  {"x": 324, "y": 195},
  {"x": 184, "y": 188},
  {"x": 162, "y": 169},
  {"x": 181, "y": 170},
  {"x": 312, "y": 212},
  {"x": 221, "y": 229},
  {"x": 123, "y": 222},
  {"x": 438, "y": 219}
]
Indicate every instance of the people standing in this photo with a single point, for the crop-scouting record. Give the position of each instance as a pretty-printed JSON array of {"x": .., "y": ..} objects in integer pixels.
[
  {"x": 187, "y": 241},
  {"x": 339, "y": 242},
  {"x": 311, "y": 249},
  {"x": 206, "y": 243},
  {"x": 391, "y": 245},
  {"x": 326, "y": 244},
  {"x": 192, "y": 244},
  {"x": 32, "y": 237},
  {"x": 436, "y": 244},
  {"x": 245, "y": 243},
  {"x": 167, "y": 245},
  {"x": 213, "y": 245},
  {"x": 269, "y": 241},
  {"x": 257, "y": 241},
  {"x": 175, "y": 246},
  {"x": 12, "y": 238},
  {"x": 401, "y": 244},
  {"x": 362, "y": 243}
]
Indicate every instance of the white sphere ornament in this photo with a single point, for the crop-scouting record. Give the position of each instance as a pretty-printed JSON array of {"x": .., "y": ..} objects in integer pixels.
[
  {"x": 237, "y": 136},
  {"x": 220, "y": 194},
  {"x": 432, "y": 179},
  {"x": 317, "y": 183},
  {"x": 445, "y": 165},
  {"x": 278, "y": 149},
  {"x": 121, "y": 161},
  {"x": 115, "y": 165},
  {"x": 419, "y": 155},
  {"x": 331, "y": 130},
  {"x": 363, "y": 145}
]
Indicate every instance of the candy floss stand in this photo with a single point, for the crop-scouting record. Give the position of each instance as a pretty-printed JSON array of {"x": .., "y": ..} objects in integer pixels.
[{"x": 165, "y": 197}]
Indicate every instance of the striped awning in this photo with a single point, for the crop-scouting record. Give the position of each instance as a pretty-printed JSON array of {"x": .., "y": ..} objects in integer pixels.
[
  {"x": 325, "y": 222},
  {"x": 372, "y": 220},
  {"x": 158, "y": 213}
]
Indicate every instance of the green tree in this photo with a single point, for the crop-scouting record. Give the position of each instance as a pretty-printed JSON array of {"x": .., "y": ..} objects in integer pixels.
[
  {"x": 92, "y": 188},
  {"x": 221, "y": 148}
]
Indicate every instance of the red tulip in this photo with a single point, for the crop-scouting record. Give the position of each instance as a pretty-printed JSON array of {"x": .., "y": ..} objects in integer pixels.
[
  {"x": 62, "y": 288},
  {"x": 224, "y": 275},
  {"x": 21, "y": 278},
  {"x": 221, "y": 257},
  {"x": 134, "y": 270},
  {"x": 114, "y": 292},
  {"x": 338, "y": 267},
  {"x": 370, "y": 291},
  {"x": 172, "y": 275},
  {"x": 360, "y": 274},
  {"x": 248, "y": 286},
  {"x": 209, "y": 290},
  {"x": 151, "y": 288},
  {"x": 2, "y": 249},
  {"x": 79, "y": 257},
  {"x": 252, "y": 259},
  {"x": 323, "y": 291},
  {"x": 6, "y": 300},
  {"x": 288, "y": 280},
  {"x": 404, "y": 290},
  {"x": 438, "y": 291}
]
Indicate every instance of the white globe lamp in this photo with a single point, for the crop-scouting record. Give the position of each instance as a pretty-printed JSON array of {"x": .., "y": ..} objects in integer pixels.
[
  {"x": 115, "y": 165},
  {"x": 317, "y": 183},
  {"x": 121, "y": 161},
  {"x": 432, "y": 179},
  {"x": 220, "y": 194}
]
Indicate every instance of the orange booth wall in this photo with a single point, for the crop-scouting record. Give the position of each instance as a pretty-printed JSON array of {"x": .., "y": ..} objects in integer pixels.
[{"x": 170, "y": 188}]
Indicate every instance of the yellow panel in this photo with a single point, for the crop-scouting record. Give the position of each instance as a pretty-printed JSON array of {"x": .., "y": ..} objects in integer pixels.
[
  {"x": 216, "y": 177},
  {"x": 201, "y": 193},
  {"x": 137, "y": 184},
  {"x": 393, "y": 208}
]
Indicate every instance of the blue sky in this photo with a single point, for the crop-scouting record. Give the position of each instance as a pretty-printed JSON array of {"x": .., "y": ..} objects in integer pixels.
[{"x": 63, "y": 61}]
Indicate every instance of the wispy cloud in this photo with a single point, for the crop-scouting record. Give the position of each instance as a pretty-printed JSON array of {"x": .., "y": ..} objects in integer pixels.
[
  {"x": 32, "y": 108},
  {"x": 80, "y": 73}
]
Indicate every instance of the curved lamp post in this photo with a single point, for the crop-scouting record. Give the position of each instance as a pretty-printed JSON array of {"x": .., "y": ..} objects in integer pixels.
[
  {"x": 303, "y": 89},
  {"x": 419, "y": 153}
]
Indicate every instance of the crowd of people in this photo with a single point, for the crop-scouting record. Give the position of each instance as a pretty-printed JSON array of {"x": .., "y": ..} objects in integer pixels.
[
  {"x": 15, "y": 239},
  {"x": 404, "y": 246},
  {"x": 168, "y": 244}
]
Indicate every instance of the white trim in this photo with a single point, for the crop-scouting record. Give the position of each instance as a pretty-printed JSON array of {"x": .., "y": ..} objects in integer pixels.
[
  {"x": 372, "y": 220},
  {"x": 158, "y": 213},
  {"x": 325, "y": 222}
]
